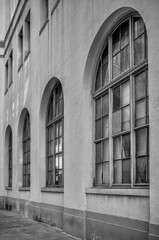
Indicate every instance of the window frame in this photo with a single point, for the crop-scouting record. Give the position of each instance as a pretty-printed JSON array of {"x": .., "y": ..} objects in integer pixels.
[
  {"x": 52, "y": 123},
  {"x": 10, "y": 158},
  {"x": 113, "y": 82},
  {"x": 20, "y": 48},
  {"x": 25, "y": 141},
  {"x": 27, "y": 36}
]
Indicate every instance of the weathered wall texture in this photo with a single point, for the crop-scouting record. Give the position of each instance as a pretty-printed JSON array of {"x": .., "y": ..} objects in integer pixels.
[{"x": 67, "y": 49}]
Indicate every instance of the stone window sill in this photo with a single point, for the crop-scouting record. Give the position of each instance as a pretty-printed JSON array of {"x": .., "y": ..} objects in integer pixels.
[
  {"x": 8, "y": 188},
  {"x": 138, "y": 192},
  {"x": 26, "y": 189},
  {"x": 52, "y": 190}
]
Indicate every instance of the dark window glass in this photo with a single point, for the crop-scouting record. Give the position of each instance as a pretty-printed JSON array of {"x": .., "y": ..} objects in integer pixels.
[
  {"x": 55, "y": 138},
  {"x": 26, "y": 151},
  {"x": 10, "y": 160}
]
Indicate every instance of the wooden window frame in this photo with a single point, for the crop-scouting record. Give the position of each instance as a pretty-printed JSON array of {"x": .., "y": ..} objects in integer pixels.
[
  {"x": 113, "y": 82},
  {"x": 26, "y": 152},
  {"x": 52, "y": 124},
  {"x": 10, "y": 160}
]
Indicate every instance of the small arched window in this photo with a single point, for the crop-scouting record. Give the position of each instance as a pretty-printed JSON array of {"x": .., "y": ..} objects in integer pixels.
[
  {"x": 54, "y": 133},
  {"x": 26, "y": 151},
  {"x": 10, "y": 159},
  {"x": 121, "y": 107}
]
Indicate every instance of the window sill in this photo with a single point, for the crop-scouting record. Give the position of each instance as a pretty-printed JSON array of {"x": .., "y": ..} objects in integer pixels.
[
  {"x": 26, "y": 189},
  {"x": 138, "y": 192},
  {"x": 43, "y": 26},
  {"x": 26, "y": 55},
  {"x": 53, "y": 190},
  {"x": 8, "y": 188}
]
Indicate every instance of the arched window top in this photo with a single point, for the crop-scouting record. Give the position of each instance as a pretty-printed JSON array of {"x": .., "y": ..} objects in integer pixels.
[
  {"x": 26, "y": 128},
  {"x": 125, "y": 48},
  {"x": 55, "y": 105}
]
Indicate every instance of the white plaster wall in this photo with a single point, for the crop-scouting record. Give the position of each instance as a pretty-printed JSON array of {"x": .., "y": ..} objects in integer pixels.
[{"x": 61, "y": 51}]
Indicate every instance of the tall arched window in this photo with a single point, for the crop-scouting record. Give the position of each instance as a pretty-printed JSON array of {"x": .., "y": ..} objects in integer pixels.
[
  {"x": 26, "y": 151},
  {"x": 10, "y": 159},
  {"x": 54, "y": 130},
  {"x": 121, "y": 107}
]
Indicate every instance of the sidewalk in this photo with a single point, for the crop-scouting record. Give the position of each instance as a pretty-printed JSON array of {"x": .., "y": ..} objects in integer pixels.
[{"x": 16, "y": 227}]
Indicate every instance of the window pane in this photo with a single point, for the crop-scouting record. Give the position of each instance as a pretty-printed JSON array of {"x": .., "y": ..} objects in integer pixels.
[
  {"x": 57, "y": 129},
  {"x": 60, "y": 106},
  {"x": 50, "y": 133},
  {"x": 99, "y": 173},
  {"x": 60, "y": 128},
  {"x": 105, "y": 127},
  {"x": 105, "y": 74},
  {"x": 98, "y": 129},
  {"x": 60, "y": 161},
  {"x": 138, "y": 27},
  {"x": 139, "y": 49},
  {"x": 126, "y": 118},
  {"x": 124, "y": 34},
  {"x": 105, "y": 66},
  {"x": 125, "y": 94},
  {"x": 60, "y": 177},
  {"x": 118, "y": 171},
  {"x": 105, "y": 104},
  {"x": 126, "y": 146},
  {"x": 105, "y": 55},
  {"x": 116, "y": 42},
  {"x": 140, "y": 86},
  {"x": 98, "y": 78},
  {"x": 141, "y": 142},
  {"x": 57, "y": 162},
  {"x": 117, "y": 148},
  {"x": 98, "y": 152},
  {"x": 116, "y": 65},
  {"x": 116, "y": 99},
  {"x": 60, "y": 144},
  {"x": 142, "y": 170},
  {"x": 106, "y": 150},
  {"x": 57, "y": 146},
  {"x": 106, "y": 172},
  {"x": 141, "y": 112},
  {"x": 98, "y": 108},
  {"x": 125, "y": 59},
  {"x": 51, "y": 146},
  {"x": 117, "y": 121},
  {"x": 126, "y": 171}
]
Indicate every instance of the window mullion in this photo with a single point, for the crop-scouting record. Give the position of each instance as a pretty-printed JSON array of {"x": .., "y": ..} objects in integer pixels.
[
  {"x": 110, "y": 136},
  {"x": 110, "y": 58},
  {"x": 131, "y": 42},
  {"x": 132, "y": 133}
]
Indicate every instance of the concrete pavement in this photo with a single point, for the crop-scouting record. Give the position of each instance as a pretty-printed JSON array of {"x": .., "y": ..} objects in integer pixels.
[{"x": 16, "y": 227}]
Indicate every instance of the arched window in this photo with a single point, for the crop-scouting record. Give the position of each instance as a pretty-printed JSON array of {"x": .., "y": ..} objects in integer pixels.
[
  {"x": 26, "y": 151},
  {"x": 54, "y": 131},
  {"x": 10, "y": 159},
  {"x": 121, "y": 107}
]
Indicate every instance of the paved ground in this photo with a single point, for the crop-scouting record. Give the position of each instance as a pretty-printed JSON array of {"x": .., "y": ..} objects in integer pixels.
[{"x": 15, "y": 227}]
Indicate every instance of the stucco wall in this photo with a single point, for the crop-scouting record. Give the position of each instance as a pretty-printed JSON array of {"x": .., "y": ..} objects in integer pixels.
[{"x": 67, "y": 49}]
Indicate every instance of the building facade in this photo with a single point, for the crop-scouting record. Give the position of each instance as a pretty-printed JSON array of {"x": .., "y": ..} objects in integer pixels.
[{"x": 79, "y": 115}]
